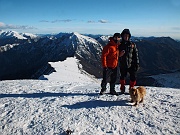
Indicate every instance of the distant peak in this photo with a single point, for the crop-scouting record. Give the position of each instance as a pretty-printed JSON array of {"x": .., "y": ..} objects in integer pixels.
[
  {"x": 15, "y": 34},
  {"x": 76, "y": 34}
]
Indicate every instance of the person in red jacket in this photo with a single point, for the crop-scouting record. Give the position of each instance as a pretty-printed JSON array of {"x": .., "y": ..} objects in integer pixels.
[{"x": 109, "y": 58}]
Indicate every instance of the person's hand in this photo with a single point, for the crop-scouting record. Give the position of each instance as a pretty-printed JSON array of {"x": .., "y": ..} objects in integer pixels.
[{"x": 121, "y": 53}]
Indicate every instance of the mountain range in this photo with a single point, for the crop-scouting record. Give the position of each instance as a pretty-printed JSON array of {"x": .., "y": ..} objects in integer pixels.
[{"x": 26, "y": 56}]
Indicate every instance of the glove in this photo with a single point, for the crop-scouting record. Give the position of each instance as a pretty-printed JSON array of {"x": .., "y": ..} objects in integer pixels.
[
  {"x": 136, "y": 68},
  {"x": 121, "y": 53}
]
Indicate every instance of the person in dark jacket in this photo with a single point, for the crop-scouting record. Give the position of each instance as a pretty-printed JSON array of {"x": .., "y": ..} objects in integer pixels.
[
  {"x": 109, "y": 59},
  {"x": 129, "y": 62}
]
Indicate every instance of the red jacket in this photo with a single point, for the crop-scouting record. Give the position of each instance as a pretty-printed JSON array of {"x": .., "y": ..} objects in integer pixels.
[{"x": 110, "y": 54}]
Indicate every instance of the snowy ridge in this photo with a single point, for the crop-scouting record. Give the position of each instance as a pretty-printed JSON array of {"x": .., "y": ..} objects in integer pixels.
[
  {"x": 14, "y": 34},
  {"x": 168, "y": 80},
  {"x": 104, "y": 38},
  {"x": 69, "y": 100},
  {"x": 86, "y": 46},
  {"x": 29, "y": 35},
  {"x": 7, "y": 47},
  {"x": 83, "y": 39},
  {"x": 10, "y": 34},
  {"x": 68, "y": 70}
]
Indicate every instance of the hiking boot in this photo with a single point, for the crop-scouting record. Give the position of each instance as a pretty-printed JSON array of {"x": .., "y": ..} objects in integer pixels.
[
  {"x": 114, "y": 93},
  {"x": 102, "y": 92},
  {"x": 103, "y": 88},
  {"x": 122, "y": 89}
]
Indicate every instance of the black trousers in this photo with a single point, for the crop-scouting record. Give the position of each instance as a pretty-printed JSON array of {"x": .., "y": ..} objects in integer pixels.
[
  {"x": 131, "y": 71},
  {"x": 109, "y": 76}
]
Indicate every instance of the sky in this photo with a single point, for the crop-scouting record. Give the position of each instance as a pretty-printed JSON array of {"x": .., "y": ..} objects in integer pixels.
[{"x": 142, "y": 17}]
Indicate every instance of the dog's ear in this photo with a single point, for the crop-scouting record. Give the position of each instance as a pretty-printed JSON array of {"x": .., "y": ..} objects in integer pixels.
[{"x": 134, "y": 91}]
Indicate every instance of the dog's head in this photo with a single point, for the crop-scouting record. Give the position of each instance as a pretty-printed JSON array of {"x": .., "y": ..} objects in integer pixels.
[{"x": 134, "y": 91}]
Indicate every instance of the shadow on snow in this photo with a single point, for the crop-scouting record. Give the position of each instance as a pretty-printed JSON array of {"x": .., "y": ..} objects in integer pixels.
[
  {"x": 97, "y": 103},
  {"x": 46, "y": 94},
  {"x": 85, "y": 104}
]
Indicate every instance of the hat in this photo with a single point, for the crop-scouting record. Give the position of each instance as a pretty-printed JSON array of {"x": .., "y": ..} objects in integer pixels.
[
  {"x": 126, "y": 31},
  {"x": 117, "y": 35}
]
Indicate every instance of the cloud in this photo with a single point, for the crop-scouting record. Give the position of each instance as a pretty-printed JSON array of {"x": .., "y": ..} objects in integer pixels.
[
  {"x": 44, "y": 21},
  {"x": 2, "y": 24},
  {"x": 56, "y": 21},
  {"x": 67, "y": 20},
  {"x": 11, "y": 26},
  {"x": 103, "y": 21},
  {"x": 90, "y": 21},
  {"x": 99, "y": 21},
  {"x": 176, "y": 28}
]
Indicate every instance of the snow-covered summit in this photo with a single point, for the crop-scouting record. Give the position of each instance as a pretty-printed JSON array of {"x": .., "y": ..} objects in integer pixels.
[
  {"x": 14, "y": 34},
  {"x": 104, "y": 38},
  {"x": 10, "y": 34},
  {"x": 29, "y": 35},
  {"x": 50, "y": 107},
  {"x": 83, "y": 39},
  {"x": 68, "y": 100},
  {"x": 86, "y": 46}
]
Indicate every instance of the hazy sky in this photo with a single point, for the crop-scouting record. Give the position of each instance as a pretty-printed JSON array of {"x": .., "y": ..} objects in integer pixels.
[{"x": 142, "y": 17}]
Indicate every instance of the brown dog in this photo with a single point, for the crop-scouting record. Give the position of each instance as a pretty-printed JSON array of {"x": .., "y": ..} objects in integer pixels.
[{"x": 137, "y": 94}]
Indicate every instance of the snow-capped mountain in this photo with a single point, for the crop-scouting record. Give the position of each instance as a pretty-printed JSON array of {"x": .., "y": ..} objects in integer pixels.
[
  {"x": 68, "y": 102},
  {"x": 32, "y": 57},
  {"x": 13, "y": 37},
  {"x": 77, "y": 43},
  {"x": 14, "y": 34},
  {"x": 102, "y": 39},
  {"x": 11, "y": 34},
  {"x": 85, "y": 48},
  {"x": 29, "y": 35},
  {"x": 24, "y": 58}
]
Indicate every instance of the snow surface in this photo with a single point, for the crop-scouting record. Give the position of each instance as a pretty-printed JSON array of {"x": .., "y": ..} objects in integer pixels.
[
  {"x": 168, "y": 80},
  {"x": 51, "y": 107},
  {"x": 68, "y": 71}
]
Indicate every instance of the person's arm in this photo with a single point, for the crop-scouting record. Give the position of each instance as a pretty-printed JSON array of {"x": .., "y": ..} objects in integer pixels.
[
  {"x": 136, "y": 57},
  {"x": 105, "y": 52}
]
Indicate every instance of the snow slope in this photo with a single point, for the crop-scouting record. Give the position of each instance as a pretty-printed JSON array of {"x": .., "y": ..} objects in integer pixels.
[
  {"x": 168, "y": 80},
  {"x": 69, "y": 71},
  {"x": 51, "y": 107}
]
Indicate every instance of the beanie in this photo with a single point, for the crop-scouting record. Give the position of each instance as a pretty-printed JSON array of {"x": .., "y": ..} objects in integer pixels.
[
  {"x": 117, "y": 35},
  {"x": 126, "y": 31}
]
